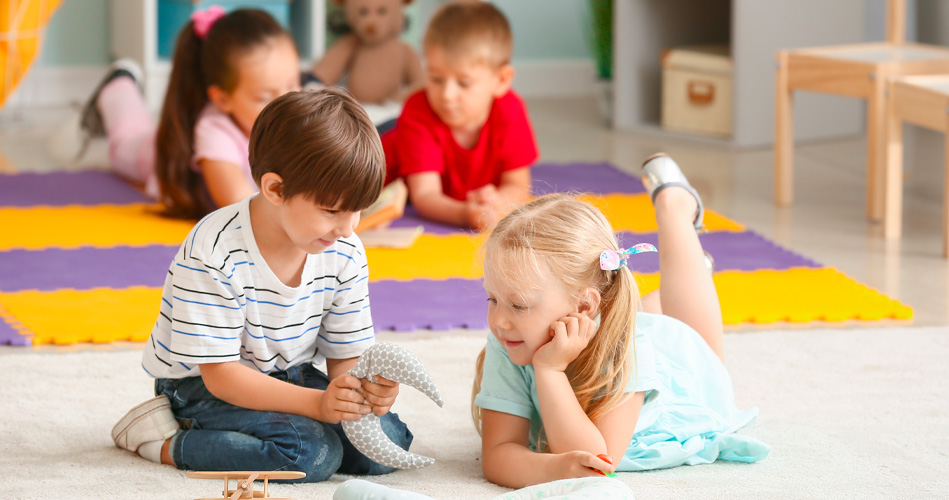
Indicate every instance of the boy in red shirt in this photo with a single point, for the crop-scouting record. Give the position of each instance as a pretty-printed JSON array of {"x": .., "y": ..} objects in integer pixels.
[{"x": 464, "y": 144}]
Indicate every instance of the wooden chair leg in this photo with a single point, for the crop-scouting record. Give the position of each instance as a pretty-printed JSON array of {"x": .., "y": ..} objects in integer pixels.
[
  {"x": 876, "y": 147},
  {"x": 893, "y": 175},
  {"x": 783, "y": 136},
  {"x": 945, "y": 202}
]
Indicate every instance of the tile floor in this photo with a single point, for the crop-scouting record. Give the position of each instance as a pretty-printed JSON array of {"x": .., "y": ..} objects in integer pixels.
[{"x": 827, "y": 222}]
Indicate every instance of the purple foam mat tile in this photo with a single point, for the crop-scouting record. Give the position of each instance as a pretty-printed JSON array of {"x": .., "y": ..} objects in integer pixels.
[
  {"x": 9, "y": 336},
  {"x": 431, "y": 304},
  {"x": 594, "y": 178},
  {"x": 84, "y": 268},
  {"x": 732, "y": 251},
  {"x": 411, "y": 218},
  {"x": 66, "y": 188}
]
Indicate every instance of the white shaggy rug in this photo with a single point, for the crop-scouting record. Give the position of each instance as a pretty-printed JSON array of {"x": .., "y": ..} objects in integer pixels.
[{"x": 848, "y": 413}]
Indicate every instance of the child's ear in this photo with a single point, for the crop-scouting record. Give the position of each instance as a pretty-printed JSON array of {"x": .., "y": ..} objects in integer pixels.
[
  {"x": 589, "y": 302},
  {"x": 505, "y": 78},
  {"x": 219, "y": 98},
  {"x": 271, "y": 187}
]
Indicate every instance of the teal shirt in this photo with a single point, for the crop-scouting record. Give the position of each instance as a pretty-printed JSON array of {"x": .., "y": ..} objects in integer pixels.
[{"x": 688, "y": 410}]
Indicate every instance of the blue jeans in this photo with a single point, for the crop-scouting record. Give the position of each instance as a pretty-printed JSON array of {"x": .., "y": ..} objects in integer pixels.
[{"x": 220, "y": 436}]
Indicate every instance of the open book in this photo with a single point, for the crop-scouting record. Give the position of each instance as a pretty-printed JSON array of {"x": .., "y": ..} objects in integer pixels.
[{"x": 388, "y": 207}]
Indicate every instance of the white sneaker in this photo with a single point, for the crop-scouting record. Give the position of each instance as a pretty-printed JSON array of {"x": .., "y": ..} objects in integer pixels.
[
  {"x": 152, "y": 420},
  {"x": 90, "y": 120},
  {"x": 72, "y": 139}
]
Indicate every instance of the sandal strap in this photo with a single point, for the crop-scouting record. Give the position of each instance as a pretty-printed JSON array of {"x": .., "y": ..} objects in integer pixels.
[{"x": 658, "y": 176}]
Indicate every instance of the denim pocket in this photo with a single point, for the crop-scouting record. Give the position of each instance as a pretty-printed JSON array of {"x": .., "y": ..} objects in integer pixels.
[{"x": 182, "y": 391}]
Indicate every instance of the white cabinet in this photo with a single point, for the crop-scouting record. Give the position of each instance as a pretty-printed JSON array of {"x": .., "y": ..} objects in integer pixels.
[
  {"x": 756, "y": 29},
  {"x": 134, "y": 34}
]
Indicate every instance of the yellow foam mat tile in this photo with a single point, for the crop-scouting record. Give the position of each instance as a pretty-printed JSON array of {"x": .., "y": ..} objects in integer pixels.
[
  {"x": 98, "y": 226},
  {"x": 431, "y": 257},
  {"x": 458, "y": 255},
  {"x": 99, "y": 315},
  {"x": 635, "y": 213},
  {"x": 796, "y": 295}
]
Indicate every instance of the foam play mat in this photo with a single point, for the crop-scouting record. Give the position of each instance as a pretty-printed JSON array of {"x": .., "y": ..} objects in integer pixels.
[{"x": 83, "y": 257}]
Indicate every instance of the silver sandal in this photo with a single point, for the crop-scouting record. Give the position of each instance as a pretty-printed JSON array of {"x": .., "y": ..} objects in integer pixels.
[
  {"x": 659, "y": 172},
  {"x": 709, "y": 262}
]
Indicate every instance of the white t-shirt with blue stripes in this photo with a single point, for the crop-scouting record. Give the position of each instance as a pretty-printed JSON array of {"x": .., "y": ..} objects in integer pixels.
[{"x": 221, "y": 302}]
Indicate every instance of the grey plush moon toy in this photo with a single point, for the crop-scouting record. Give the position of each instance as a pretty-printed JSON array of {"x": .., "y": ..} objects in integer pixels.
[{"x": 399, "y": 365}]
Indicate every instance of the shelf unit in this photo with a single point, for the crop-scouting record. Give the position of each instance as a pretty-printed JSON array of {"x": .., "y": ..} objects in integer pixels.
[
  {"x": 756, "y": 30},
  {"x": 134, "y": 33}
]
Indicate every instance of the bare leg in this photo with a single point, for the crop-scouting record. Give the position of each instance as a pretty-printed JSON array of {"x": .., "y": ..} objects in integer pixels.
[
  {"x": 651, "y": 302},
  {"x": 687, "y": 291},
  {"x": 166, "y": 453}
]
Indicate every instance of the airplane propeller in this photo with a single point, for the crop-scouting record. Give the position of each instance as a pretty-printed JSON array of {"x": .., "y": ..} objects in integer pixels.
[{"x": 245, "y": 487}]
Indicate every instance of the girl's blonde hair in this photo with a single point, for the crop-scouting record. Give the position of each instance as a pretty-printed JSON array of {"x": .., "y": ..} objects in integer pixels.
[{"x": 562, "y": 236}]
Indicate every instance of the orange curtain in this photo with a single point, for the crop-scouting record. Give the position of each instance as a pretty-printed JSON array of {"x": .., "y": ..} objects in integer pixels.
[{"x": 22, "y": 24}]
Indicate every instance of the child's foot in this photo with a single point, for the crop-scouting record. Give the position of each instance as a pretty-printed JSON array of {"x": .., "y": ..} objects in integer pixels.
[
  {"x": 660, "y": 172},
  {"x": 70, "y": 142},
  {"x": 90, "y": 119},
  {"x": 150, "y": 421}
]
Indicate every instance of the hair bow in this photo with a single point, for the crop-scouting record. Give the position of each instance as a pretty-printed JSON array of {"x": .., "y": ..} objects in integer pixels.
[
  {"x": 204, "y": 19},
  {"x": 611, "y": 260}
]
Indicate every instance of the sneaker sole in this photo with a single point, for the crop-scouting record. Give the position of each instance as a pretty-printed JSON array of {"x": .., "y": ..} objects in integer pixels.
[
  {"x": 131, "y": 67},
  {"x": 144, "y": 410}
]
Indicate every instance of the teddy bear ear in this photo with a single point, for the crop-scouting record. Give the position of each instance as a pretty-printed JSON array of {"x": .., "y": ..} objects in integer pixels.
[
  {"x": 406, "y": 2},
  {"x": 340, "y": 2}
]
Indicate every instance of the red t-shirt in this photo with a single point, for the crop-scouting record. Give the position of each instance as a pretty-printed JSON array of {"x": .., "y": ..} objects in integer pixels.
[{"x": 421, "y": 142}]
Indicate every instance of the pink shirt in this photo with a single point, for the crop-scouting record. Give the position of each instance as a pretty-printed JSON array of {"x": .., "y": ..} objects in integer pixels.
[{"x": 218, "y": 138}]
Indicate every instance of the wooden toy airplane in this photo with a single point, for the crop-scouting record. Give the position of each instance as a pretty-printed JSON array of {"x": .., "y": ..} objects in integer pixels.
[{"x": 245, "y": 482}]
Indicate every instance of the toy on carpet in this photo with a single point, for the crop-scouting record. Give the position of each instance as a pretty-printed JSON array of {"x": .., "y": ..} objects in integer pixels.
[
  {"x": 399, "y": 365},
  {"x": 377, "y": 65},
  {"x": 245, "y": 482},
  {"x": 564, "y": 489}
]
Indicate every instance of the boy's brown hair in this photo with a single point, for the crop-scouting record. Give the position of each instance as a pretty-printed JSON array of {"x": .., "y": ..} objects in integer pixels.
[
  {"x": 471, "y": 29},
  {"x": 324, "y": 147}
]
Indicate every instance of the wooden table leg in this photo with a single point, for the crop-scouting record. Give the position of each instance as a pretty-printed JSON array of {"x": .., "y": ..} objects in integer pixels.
[
  {"x": 783, "y": 136},
  {"x": 876, "y": 133},
  {"x": 893, "y": 174}
]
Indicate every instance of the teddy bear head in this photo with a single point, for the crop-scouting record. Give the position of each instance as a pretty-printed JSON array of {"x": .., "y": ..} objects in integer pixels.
[{"x": 374, "y": 21}]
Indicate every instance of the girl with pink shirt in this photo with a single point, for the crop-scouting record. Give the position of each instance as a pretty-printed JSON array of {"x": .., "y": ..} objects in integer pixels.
[{"x": 226, "y": 68}]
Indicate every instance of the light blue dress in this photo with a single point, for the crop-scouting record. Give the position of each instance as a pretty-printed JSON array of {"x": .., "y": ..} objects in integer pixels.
[{"x": 688, "y": 417}]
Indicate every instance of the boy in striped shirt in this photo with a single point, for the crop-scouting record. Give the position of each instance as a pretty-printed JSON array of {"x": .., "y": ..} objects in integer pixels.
[{"x": 258, "y": 294}]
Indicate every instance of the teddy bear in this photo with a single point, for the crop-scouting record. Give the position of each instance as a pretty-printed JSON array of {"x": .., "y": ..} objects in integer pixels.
[{"x": 379, "y": 67}]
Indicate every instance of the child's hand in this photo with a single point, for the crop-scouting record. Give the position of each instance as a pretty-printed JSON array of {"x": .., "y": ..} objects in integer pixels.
[
  {"x": 569, "y": 336},
  {"x": 580, "y": 464},
  {"x": 342, "y": 400},
  {"x": 380, "y": 394},
  {"x": 487, "y": 195},
  {"x": 479, "y": 216}
]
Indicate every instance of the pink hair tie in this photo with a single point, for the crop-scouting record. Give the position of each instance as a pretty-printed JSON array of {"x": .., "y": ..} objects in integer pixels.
[
  {"x": 204, "y": 19},
  {"x": 611, "y": 260}
]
